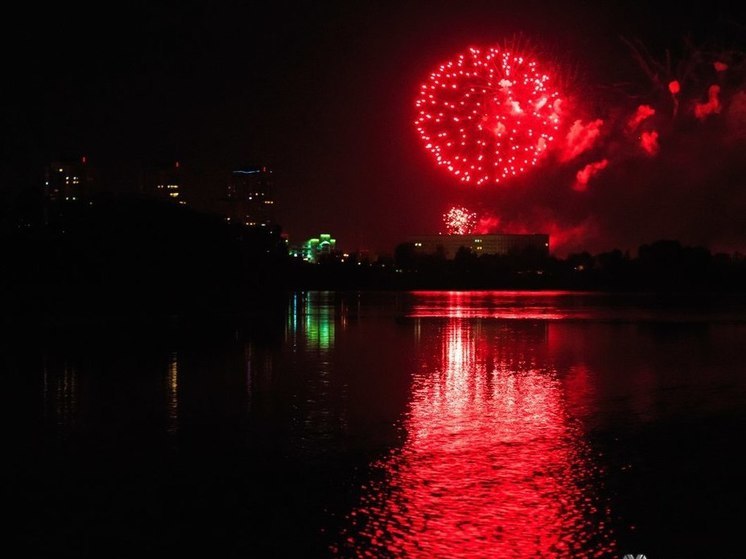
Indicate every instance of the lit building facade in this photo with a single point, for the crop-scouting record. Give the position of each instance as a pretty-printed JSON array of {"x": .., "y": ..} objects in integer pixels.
[
  {"x": 68, "y": 181},
  {"x": 500, "y": 244},
  {"x": 168, "y": 184},
  {"x": 251, "y": 197},
  {"x": 315, "y": 248}
]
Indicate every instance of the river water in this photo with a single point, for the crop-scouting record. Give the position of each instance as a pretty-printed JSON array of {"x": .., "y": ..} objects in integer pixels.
[{"x": 427, "y": 424}]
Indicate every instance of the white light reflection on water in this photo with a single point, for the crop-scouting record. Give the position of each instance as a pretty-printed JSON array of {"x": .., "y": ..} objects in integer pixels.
[
  {"x": 172, "y": 395},
  {"x": 60, "y": 392}
]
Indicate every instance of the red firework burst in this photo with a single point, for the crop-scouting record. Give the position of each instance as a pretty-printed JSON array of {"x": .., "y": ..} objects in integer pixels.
[
  {"x": 459, "y": 221},
  {"x": 488, "y": 114}
]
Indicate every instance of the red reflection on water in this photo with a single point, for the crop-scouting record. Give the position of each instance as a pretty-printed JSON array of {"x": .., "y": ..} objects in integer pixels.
[
  {"x": 492, "y": 465},
  {"x": 541, "y": 305}
]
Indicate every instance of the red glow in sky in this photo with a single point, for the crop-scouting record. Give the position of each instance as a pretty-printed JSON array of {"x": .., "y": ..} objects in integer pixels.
[
  {"x": 487, "y": 223},
  {"x": 488, "y": 115}
]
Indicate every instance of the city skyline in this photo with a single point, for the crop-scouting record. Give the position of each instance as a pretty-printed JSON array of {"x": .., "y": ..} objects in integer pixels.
[{"x": 325, "y": 97}]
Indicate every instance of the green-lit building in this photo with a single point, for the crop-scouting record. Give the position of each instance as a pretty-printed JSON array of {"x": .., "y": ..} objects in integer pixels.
[{"x": 315, "y": 248}]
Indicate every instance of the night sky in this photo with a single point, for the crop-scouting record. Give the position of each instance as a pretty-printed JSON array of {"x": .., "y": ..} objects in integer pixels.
[{"x": 324, "y": 93}]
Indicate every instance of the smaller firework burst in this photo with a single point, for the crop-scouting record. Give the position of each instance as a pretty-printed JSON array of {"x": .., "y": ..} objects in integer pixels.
[{"x": 459, "y": 221}]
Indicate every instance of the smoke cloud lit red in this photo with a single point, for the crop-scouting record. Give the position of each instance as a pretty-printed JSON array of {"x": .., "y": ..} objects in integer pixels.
[
  {"x": 583, "y": 177},
  {"x": 487, "y": 224},
  {"x": 712, "y": 106},
  {"x": 643, "y": 112},
  {"x": 649, "y": 142},
  {"x": 581, "y": 138},
  {"x": 720, "y": 66}
]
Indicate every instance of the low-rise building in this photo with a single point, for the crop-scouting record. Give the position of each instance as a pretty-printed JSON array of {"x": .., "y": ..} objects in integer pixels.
[{"x": 499, "y": 244}]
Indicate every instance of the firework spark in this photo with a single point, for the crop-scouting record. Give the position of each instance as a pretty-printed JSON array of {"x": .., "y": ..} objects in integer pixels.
[
  {"x": 488, "y": 115},
  {"x": 459, "y": 221}
]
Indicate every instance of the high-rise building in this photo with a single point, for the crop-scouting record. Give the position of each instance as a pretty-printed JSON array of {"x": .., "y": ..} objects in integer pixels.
[
  {"x": 68, "y": 181},
  {"x": 168, "y": 183},
  {"x": 250, "y": 197}
]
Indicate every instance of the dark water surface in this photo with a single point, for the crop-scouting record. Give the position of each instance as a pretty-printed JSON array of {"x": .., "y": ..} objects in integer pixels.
[{"x": 383, "y": 425}]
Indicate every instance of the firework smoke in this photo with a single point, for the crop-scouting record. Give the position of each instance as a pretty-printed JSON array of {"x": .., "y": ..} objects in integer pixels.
[
  {"x": 712, "y": 106},
  {"x": 581, "y": 138},
  {"x": 487, "y": 224},
  {"x": 643, "y": 113},
  {"x": 649, "y": 142},
  {"x": 583, "y": 177}
]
